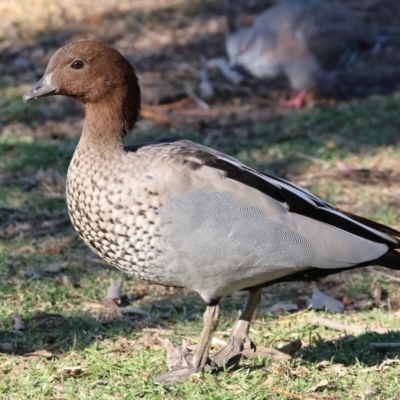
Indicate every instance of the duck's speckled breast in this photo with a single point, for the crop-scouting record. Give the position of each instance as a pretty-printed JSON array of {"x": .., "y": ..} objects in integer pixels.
[{"x": 114, "y": 211}]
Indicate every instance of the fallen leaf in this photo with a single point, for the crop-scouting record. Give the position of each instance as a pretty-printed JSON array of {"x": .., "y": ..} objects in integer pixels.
[
  {"x": 234, "y": 386},
  {"x": 376, "y": 292},
  {"x": 300, "y": 371},
  {"x": 323, "y": 364},
  {"x": 342, "y": 166},
  {"x": 39, "y": 354},
  {"x": 320, "y": 301},
  {"x": 269, "y": 381},
  {"x": 19, "y": 325},
  {"x": 19, "y": 368},
  {"x": 281, "y": 307},
  {"x": 347, "y": 302},
  {"x": 340, "y": 370},
  {"x": 279, "y": 390},
  {"x": 367, "y": 388},
  {"x": 54, "y": 268},
  {"x": 74, "y": 372},
  {"x": 320, "y": 386}
]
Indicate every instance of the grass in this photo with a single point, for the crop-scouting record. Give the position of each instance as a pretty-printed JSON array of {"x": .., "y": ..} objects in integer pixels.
[{"x": 96, "y": 354}]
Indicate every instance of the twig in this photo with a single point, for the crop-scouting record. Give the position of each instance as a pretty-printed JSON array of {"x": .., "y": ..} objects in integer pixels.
[
  {"x": 196, "y": 113},
  {"x": 229, "y": 73},
  {"x": 200, "y": 102},
  {"x": 167, "y": 332},
  {"x": 353, "y": 330},
  {"x": 392, "y": 278},
  {"x": 167, "y": 107},
  {"x": 158, "y": 117},
  {"x": 55, "y": 345},
  {"x": 14, "y": 209},
  {"x": 313, "y": 159},
  {"x": 145, "y": 30},
  {"x": 187, "y": 67},
  {"x": 284, "y": 392},
  {"x": 393, "y": 345}
]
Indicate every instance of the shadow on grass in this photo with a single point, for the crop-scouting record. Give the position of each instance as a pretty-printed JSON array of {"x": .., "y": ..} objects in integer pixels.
[
  {"x": 82, "y": 331},
  {"x": 351, "y": 350}
]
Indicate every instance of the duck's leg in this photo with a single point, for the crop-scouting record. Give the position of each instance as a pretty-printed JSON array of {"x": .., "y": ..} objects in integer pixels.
[
  {"x": 200, "y": 356},
  {"x": 231, "y": 353}
]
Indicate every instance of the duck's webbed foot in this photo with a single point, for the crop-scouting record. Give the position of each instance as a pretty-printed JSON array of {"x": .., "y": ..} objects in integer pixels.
[
  {"x": 239, "y": 339},
  {"x": 183, "y": 362}
]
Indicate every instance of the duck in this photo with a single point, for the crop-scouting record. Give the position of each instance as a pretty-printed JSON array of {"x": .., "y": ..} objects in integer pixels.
[
  {"x": 177, "y": 213},
  {"x": 306, "y": 41}
]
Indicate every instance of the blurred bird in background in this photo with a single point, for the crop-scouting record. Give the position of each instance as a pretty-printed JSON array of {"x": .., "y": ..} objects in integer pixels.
[{"x": 307, "y": 41}]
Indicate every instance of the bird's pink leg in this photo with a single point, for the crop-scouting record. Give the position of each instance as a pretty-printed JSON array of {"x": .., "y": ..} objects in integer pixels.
[{"x": 297, "y": 101}]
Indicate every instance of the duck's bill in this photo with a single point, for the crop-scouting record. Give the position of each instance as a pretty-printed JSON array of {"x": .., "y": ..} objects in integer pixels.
[{"x": 41, "y": 89}]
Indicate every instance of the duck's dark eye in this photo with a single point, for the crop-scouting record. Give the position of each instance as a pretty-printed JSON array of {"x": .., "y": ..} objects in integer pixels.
[{"x": 77, "y": 64}]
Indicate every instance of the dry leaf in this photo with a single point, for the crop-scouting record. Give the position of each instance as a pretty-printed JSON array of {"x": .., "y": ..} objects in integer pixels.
[
  {"x": 300, "y": 371},
  {"x": 54, "y": 268},
  {"x": 367, "y": 389},
  {"x": 19, "y": 368},
  {"x": 323, "y": 364},
  {"x": 340, "y": 370},
  {"x": 320, "y": 301},
  {"x": 74, "y": 372},
  {"x": 234, "y": 386},
  {"x": 321, "y": 386},
  {"x": 376, "y": 292},
  {"x": 281, "y": 307},
  {"x": 347, "y": 302},
  {"x": 269, "y": 381},
  {"x": 19, "y": 325},
  {"x": 39, "y": 354}
]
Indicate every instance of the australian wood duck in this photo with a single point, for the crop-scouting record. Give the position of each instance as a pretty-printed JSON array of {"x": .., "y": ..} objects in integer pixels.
[
  {"x": 304, "y": 40},
  {"x": 181, "y": 214}
]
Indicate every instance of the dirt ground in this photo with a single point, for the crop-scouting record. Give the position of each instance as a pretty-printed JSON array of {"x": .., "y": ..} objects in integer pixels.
[{"x": 169, "y": 42}]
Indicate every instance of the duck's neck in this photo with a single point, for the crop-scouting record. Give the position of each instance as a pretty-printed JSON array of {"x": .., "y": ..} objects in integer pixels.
[
  {"x": 108, "y": 121},
  {"x": 104, "y": 127}
]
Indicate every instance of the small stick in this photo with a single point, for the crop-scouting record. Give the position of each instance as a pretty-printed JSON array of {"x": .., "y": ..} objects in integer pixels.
[
  {"x": 229, "y": 73},
  {"x": 392, "y": 278},
  {"x": 200, "y": 102},
  {"x": 352, "y": 330},
  {"x": 144, "y": 29},
  {"x": 313, "y": 159},
  {"x": 170, "y": 106},
  {"x": 393, "y": 345},
  {"x": 196, "y": 112},
  {"x": 158, "y": 117}
]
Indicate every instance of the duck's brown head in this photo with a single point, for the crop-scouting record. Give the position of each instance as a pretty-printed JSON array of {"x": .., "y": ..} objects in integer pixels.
[{"x": 96, "y": 75}]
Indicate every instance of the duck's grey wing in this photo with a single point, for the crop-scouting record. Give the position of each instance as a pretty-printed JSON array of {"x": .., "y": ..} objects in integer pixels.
[
  {"x": 294, "y": 198},
  {"x": 234, "y": 228}
]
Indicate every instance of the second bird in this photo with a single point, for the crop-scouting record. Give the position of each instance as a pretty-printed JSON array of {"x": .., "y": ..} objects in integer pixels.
[{"x": 304, "y": 40}]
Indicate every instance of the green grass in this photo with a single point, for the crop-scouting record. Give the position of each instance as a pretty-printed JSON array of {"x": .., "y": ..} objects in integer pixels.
[{"x": 118, "y": 355}]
